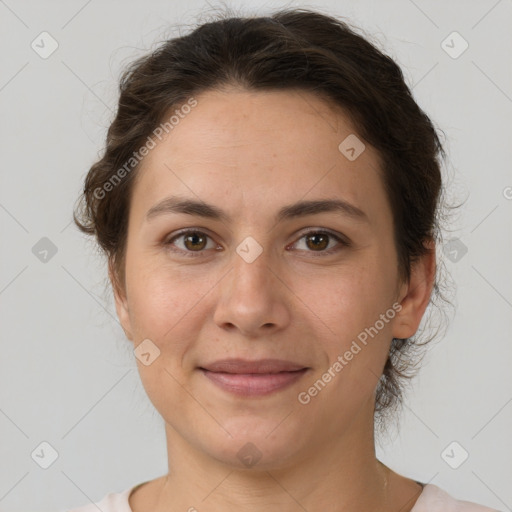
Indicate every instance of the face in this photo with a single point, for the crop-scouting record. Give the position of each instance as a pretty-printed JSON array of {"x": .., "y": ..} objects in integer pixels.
[{"x": 263, "y": 267}]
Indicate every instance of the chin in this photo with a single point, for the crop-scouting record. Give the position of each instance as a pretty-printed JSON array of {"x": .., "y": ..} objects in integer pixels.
[{"x": 257, "y": 444}]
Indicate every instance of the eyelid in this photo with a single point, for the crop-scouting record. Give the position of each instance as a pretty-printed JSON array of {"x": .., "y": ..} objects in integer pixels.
[
  {"x": 168, "y": 241},
  {"x": 341, "y": 239},
  {"x": 339, "y": 236}
]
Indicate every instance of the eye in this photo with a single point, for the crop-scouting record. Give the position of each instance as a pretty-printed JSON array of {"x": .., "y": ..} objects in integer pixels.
[
  {"x": 193, "y": 241},
  {"x": 319, "y": 241}
]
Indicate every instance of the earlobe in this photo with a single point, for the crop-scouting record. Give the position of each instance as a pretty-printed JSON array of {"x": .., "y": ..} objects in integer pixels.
[
  {"x": 121, "y": 303},
  {"x": 416, "y": 294}
]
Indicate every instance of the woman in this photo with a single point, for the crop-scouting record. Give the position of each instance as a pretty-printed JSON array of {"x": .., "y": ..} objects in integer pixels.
[{"x": 267, "y": 201}]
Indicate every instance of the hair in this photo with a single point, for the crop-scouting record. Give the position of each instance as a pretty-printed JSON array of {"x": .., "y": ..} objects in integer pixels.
[{"x": 291, "y": 49}]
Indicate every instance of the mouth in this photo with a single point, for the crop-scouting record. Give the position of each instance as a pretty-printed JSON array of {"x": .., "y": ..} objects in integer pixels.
[{"x": 253, "y": 378}]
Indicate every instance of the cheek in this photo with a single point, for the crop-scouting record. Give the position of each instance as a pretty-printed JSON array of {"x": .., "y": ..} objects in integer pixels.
[
  {"x": 346, "y": 307},
  {"x": 346, "y": 301},
  {"x": 161, "y": 381},
  {"x": 160, "y": 298}
]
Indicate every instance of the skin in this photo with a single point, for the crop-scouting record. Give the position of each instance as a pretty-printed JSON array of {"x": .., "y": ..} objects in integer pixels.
[{"x": 251, "y": 153}]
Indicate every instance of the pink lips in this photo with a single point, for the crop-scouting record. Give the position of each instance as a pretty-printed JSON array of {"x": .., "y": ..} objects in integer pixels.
[{"x": 253, "y": 378}]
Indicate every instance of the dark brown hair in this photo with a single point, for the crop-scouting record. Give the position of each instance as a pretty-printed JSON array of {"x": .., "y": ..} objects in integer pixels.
[{"x": 293, "y": 48}]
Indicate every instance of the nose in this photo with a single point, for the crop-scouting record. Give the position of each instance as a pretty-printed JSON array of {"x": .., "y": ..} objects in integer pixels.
[{"x": 252, "y": 298}]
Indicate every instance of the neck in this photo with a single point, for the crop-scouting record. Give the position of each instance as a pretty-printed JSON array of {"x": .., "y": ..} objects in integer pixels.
[{"x": 343, "y": 471}]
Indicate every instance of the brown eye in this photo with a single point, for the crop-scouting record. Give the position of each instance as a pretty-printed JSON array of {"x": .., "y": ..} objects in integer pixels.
[
  {"x": 195, "y": 241},
  {"x": 190, "y": 242},
  {"x": 317, "y": 241},
  {"x": 322, "y": 242}
]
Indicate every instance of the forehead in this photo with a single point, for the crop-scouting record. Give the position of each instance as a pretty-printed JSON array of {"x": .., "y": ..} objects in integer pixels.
[
  {"x": 259, "y": 123},
  {"x": 257, "y": 147}
]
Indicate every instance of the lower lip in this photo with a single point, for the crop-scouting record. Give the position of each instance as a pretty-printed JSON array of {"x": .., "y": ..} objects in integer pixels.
[{"x": 253, "y": 384}]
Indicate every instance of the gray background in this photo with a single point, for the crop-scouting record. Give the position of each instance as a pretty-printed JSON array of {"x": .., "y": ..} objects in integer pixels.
[{"x": 68, "y": 377}]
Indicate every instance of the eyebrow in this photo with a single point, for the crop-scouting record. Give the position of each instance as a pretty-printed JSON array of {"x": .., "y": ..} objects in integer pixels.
[{"x": 175, "y": 204}]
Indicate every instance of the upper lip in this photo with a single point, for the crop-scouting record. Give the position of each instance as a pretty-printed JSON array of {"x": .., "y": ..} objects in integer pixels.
[{"x": 258, "y": 366}]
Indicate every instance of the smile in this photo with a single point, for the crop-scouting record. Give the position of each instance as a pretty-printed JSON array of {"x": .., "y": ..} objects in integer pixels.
[{"x": 254, "y": 384}]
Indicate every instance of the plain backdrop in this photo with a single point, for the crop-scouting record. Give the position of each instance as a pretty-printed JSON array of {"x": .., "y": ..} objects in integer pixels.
[{"x": 68, "y": 378}]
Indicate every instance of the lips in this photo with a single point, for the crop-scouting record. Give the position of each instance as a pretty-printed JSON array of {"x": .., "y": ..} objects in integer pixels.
[
  {"x": 253, "y": 378},
  {"x": 259, "y": 366}
]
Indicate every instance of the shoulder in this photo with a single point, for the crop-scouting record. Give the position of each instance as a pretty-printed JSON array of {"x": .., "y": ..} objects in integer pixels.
[
  {"x": 112, "y": 502},
  {"x": 435, "y": 499}
]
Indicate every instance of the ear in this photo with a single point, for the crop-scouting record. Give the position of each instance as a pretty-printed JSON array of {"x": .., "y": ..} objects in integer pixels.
[
  {"x": 415, "y": 295},
  {"x": 120, "y": 301}
]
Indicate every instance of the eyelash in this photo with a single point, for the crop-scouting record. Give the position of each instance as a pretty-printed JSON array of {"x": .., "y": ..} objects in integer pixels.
[{"x": 194, "y": 254}]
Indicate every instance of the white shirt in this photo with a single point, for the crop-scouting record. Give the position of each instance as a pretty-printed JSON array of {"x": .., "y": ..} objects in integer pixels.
[{"x": 432, "y": 499}]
